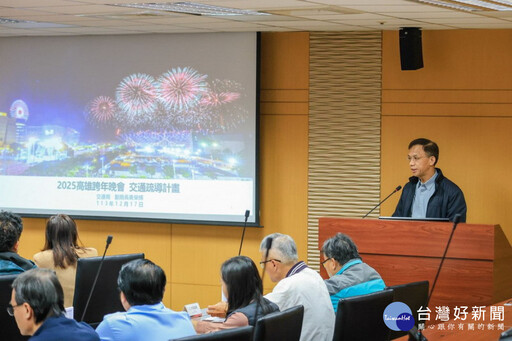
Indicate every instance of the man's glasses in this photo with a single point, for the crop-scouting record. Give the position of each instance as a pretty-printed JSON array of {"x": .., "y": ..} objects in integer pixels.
[
  {"x": 325, "y": 261},
  {"x": 262, "y": 264},
  {"x": 10, "y": 309}
]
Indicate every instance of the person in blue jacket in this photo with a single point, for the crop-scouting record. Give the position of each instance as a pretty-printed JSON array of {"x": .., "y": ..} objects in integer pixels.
[
  {"x": 349, "y": 275},
  {"x": 429, "y": 194},
  {"x": 37, "y": 304}
]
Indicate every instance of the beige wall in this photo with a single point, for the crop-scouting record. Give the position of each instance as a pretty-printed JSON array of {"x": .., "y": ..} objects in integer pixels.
[
  {"x": 462, "y": 99},
  {"x": 191, "y": 255}
]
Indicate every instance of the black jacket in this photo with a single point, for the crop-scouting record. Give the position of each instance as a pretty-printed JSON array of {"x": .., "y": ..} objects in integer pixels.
[
  {"x": 446, "y": 201},
  {"x": 250, "y": 310}
]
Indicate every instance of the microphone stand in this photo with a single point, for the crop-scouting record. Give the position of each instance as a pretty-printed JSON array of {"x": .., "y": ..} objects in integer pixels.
[
  {"x": 267, "y": 246},
  {"x": 456, "y": 220},
  {"x": 247, "y": 213},
  {"x": 380, "y": 203},
  {"x": 416, "y": 334},
  {"x": 109, "y": 240}
]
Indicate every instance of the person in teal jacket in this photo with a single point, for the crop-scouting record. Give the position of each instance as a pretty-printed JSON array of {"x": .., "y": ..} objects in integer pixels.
[
  {"x": 11, "y": 263},
  {"x": 349, "y": 275}
]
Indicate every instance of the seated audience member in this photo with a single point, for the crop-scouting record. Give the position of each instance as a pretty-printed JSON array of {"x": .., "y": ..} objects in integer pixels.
[
  {"x": 241, "y": 284},
  {"x": 11, "y": 227},
  {"x": 37, "y": 304},
  {"x": 142, "y": 284},
  {"x": 349, "y": 276},
  {"x": 61, "y": 252},
  {"x": 298, "y": 284}
]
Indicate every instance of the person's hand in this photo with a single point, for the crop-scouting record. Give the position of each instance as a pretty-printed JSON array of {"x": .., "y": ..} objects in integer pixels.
[
  {"x": 194, "y": 324},
  {"x": 218, "y": 310}
]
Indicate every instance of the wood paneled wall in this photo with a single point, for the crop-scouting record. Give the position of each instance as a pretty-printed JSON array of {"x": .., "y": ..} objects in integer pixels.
[
  {"x": 344, "y": 128},
  {"x": 462, "y": 99},
  {"x": 191, "y": 255}
]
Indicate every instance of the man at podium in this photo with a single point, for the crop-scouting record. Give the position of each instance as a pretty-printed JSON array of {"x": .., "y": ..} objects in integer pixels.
[{"x": 428, "y": 194}]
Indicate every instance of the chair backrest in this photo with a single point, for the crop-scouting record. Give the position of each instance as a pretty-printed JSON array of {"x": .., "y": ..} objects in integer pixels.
[
  {"x": 105, "y": 298},
  {"x": 361, "y": 317},
  {"x": 280, "y": 326},
  {"x": 235, "y": 334},
  {"x": 415, "y": 295},
  {"x": 9, "y": 330}
]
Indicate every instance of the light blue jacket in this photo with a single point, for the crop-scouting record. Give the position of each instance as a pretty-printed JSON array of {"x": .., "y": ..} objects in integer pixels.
[{"x": 354, "y": 278}]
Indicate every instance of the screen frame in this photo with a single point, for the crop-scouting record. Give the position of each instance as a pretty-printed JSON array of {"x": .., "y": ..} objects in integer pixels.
[{"x": 241, "y": 223}]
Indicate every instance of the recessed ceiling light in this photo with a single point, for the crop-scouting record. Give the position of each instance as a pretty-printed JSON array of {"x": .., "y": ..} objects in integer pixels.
[{"x": 192, "y": 8}]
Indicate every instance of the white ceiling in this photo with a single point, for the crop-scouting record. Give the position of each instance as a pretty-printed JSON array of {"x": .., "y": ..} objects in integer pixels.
[{"x": 85, "y": 17}]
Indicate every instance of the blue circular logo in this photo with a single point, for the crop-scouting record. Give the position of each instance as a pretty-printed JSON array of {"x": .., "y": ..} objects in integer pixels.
[{"x": 398, "y": 316}]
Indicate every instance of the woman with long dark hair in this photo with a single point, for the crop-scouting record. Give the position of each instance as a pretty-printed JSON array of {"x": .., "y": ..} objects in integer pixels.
[
  {"x": 242, "y": 285},
  {"x": 61, "y": 252}
]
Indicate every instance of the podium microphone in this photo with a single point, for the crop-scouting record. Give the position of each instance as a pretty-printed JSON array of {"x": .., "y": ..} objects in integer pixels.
[
  {"x": 109, "y": 240},
  {"x": 247, "y": 213},
  {"x": 386, "y": 198},
  {"x": 416, "y": 334}
]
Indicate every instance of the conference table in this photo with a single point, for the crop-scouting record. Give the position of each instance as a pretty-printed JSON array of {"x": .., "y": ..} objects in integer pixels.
[{"x": 489, "y": 326}]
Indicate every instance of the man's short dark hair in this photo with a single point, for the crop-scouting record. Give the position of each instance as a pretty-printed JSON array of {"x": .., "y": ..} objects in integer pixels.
[
  {"x": 11, "y": 227},
  {"x": 341, "y": 248},
  {"x": 41, "y": 289},
  {"x": 142, "y": 282},
  {"x": 430, "y": 147}
]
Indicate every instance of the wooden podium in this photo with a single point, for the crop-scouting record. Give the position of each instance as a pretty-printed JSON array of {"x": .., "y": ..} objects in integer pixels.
[{"x": 477, "y": 270}]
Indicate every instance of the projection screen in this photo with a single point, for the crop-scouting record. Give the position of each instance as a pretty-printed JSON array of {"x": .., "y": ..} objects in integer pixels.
[{"x": 152, "y": 127}]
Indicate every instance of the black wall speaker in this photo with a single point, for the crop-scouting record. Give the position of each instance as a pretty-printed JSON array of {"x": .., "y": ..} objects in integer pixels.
[{"x": 411, "y": 54}]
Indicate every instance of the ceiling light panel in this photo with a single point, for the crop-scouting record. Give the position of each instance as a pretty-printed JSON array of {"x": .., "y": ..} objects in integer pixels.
[
  {"x": 471, "y": 5},
  {"x": 446, "y": 5},
  {"x": 192, "y": 8},
  {"x": 485, "y": 4}
]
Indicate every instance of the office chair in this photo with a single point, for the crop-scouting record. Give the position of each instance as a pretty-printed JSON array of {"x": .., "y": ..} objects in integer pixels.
[
  {"x": 105, "y": 298},
  {"x": 361, "y": 317},
  {"x": 9, "y": 330},
  {"x": 415, "y": 295},
  {"x": 280, "y": 326},
  {"x": 235, "y": 334}
]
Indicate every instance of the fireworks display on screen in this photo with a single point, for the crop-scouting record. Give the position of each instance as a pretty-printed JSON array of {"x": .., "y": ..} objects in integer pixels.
[
  {"x": 136, "y": 94},
  {"x": 181, "y": 89},
  {"x": 101, "y": 110},
  {"x": 181, "y": 99}
]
